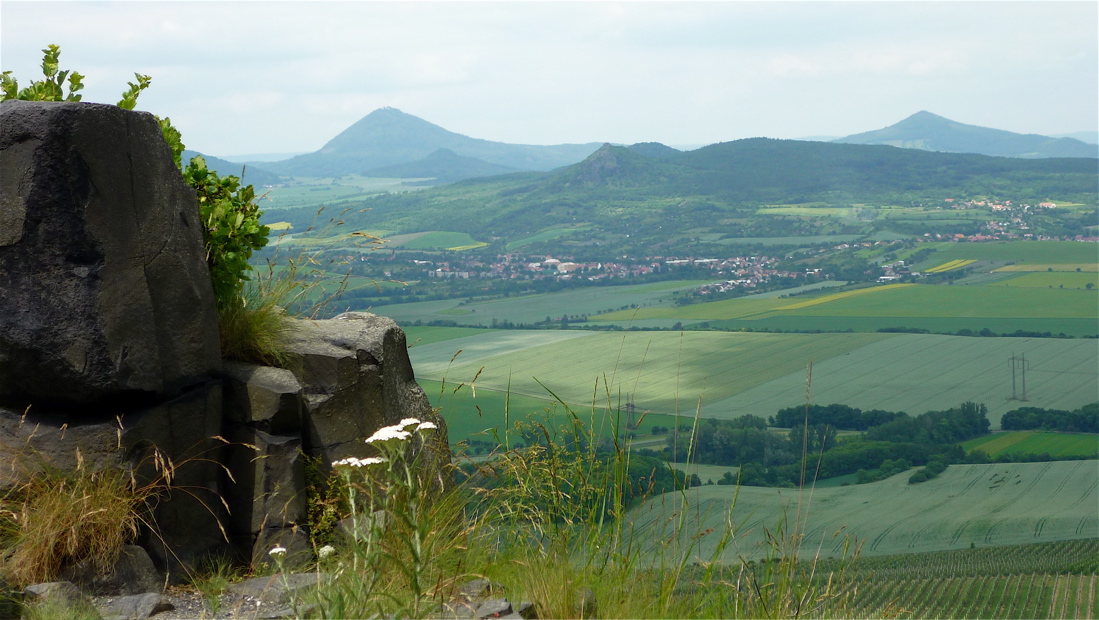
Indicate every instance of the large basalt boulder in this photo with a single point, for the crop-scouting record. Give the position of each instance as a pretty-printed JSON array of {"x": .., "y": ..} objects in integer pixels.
[{"x": 104, "y": 288}]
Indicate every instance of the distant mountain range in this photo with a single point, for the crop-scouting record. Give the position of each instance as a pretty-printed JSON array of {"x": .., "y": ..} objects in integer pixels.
[
  {"x": 387, "y": 137},
  {"x": 391, "y": 143},
  {"x": 1087, "y": 137},
  {"x": 621, "y": 189},
  {"x": 930, "y": 132},
  {"x": 250, "y": 174}
]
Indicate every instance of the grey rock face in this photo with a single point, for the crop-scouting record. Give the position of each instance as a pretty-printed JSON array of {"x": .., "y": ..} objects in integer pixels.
[
  {"x": 104, "y": 288},
  {"x": 267, "y": 399},
  {"x": 270, "y": 476},
  {"x": 357, "y": 378}
]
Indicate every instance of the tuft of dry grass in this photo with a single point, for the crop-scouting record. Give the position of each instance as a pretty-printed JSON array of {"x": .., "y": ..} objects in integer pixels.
[{"x": 59, "y": 518}]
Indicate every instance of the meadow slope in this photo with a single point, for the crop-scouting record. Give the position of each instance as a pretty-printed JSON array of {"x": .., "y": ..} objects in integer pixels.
[
  {"x": 737, "y": 373},
  {"x": 978, "y": 505}
]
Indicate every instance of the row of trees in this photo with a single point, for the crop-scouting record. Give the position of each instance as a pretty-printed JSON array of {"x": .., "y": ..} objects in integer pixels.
[
  {"x": 892, "y": 442},
  {"x": 841, "y": 417},
  {"x": 1082, "y": 420}
]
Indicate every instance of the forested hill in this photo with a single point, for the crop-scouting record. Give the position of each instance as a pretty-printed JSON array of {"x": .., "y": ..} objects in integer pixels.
[
  {"x": 617, "y": 188},
  {"x": 796, "y": 171},
  {"x": 387, "y": 136},
  {"x": 927, "y": 131}
]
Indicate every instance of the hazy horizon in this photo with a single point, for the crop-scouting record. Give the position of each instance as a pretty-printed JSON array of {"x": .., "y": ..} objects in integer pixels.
[{"x": 286, "y": 77}]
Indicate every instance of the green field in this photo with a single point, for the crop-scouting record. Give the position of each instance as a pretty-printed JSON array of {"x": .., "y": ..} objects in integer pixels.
[
  {"x": 1011, "y": 308},
  {"x": 470, "y": 417},
  {"x": 1036, "y": 442},
  {"x": 417, "y": 336},
  {"x": 797, "y": 289},
  {"x": 759, "y": 373},
  {"x": 1042, "y": 252},
  {"x": 937, "y": 325},
  {"x": 535, "y": 308},
  {"x": 545, "y": 235},
  {"x": 978, "y": 505},
  {"x": 1088, "y": 267},
  {"x": 918, "y": 373},
  {"x": 488, "y": 414},
  {"x": 841, "y": 212},
  {"x": 961, "y": 301},
  {"x": 797, "y": 241},
  {"x": 1055, "y": 279},
  {"x": 662, "y": 372},
  {"x": 441, "y": 240},
  {"x": 318, "y": 191},
  {"x": 1042, "y": 580}
]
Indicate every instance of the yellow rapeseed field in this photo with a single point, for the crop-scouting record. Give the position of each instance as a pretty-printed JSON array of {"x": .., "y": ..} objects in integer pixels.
[
  {"x": 954, "y": 264},
  {"x": 827, "y": 298}
]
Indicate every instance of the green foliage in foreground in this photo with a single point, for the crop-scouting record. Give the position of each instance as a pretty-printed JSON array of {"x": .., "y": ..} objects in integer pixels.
[{"x": 546, "y": 520}]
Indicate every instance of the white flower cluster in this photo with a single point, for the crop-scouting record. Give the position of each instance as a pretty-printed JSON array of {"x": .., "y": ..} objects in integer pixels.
[
  {"x": 354, "y": 462},
  {"x": 326, "y": 551},
  {"x": 397, "y": 431},
  {"x": 277, "y": 552}
]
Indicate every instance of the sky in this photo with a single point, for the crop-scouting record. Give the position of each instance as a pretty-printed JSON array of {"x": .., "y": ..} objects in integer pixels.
[{"x": 286, "y": 77}]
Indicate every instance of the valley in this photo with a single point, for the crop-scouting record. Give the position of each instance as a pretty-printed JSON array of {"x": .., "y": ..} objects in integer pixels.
[{"x": 677, "y": 305}]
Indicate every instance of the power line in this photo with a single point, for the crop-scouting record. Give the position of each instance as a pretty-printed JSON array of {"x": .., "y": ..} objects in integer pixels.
[{"x": 1022, "y": 365}]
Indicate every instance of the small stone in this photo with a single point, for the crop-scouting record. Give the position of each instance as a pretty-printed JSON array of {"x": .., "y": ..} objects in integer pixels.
[
  {"x": 60, "y": 591},
  {"x": 60, "y": 596},
  {"x": 133, "y": 573},
  {"x": 478, "y": 589},
  {"x": 276, "y": 589},
  {"x": 138, "y": 607},
  {"x": 493, "y": 608}
]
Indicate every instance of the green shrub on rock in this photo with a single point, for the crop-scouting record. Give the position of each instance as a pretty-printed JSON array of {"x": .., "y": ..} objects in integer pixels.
[{"x": 231, "y": 228}]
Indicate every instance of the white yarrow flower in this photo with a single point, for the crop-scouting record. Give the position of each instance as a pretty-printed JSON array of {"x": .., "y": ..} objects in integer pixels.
[
  {"x": 277, "y": 552},
  {"x": 426, "y": 426},
  {"x": 349, "y": 461},
  {"x": 387, "y": 433},
  {"x": 407, "y": 422},
  {"x": 374, "y": 460},
  {"x": 326, "y": 551}
]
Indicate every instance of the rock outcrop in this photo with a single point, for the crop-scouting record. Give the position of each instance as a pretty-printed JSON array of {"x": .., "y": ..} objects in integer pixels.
[
  {"x": 347, "y": 377},
  {"x": 106, "y": 293},
  {"x": 109, "y": 348}
]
